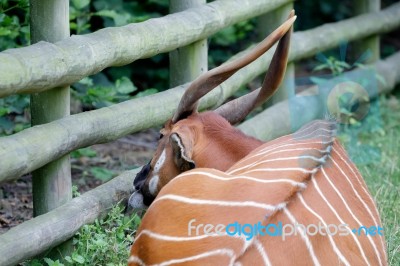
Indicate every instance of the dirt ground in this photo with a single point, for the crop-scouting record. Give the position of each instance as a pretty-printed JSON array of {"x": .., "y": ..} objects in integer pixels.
[{"x": 123, "y": 154}]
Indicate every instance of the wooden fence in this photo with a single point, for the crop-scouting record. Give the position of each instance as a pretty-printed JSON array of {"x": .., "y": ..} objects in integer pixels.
[{"x": 44, "y": 66}]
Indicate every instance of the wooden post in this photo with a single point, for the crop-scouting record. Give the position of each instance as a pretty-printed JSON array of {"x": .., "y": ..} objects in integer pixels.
[
  {"x": 52, "y": 182},
  {"x": 187, "y": 63},
  {"x": 370, "y": 44},
  {"x": 266, "y": 24}
]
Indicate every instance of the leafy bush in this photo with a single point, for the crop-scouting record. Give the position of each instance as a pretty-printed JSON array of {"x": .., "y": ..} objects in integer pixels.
[
  {"x": 14, "y": 23},
  {"x": 14, "y": 115}
]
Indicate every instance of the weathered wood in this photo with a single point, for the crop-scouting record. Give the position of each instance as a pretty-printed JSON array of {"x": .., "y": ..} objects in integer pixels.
[
  {"x": 44, "y": 65},
  {"x": 187, "y": 63},
  {"x": 53, "y": 228},
  {"x": 45, "y": 231},
  {"x": 18, "y": 152},
  {"x": 265, "y": 25},
  {"x": 51, "y": 183},
  {"x": 369, "y": 45}
]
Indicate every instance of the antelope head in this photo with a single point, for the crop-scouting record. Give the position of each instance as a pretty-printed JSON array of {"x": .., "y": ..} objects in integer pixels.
[{"x": 191, "y": 139}]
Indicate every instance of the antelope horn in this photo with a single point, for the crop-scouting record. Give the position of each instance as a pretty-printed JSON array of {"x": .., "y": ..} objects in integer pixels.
[
  {"x": 236, "y": 110},
  {"x": 211, "y": 79}
]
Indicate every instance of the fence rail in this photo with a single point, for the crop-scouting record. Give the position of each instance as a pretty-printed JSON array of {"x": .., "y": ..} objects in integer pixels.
[
  {"x": 279, "y": 119},
  {"x": 72, "y": 59},
  {"x": 19, "y": 151},
  {"x": 44, "y": 66}
]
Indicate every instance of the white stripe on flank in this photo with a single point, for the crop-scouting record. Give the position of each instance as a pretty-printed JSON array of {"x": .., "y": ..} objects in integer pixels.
[
  {"x": 292, "y": 143},
  {"x": 188, "y": 238},
  {"x": 266, "y": 181},
  {"x": 321, "y": 160},
  {"x": 350, "y": 211},
  {"x": 264, "y": 154},
  {"x": 303, "y": 236},
  {"x": 297, "y": 136},
  {"x": 268, "y": 151},
  {"x": 363, "y": 186},
  {"x": 360, "y": 182},
  {"x": 297, "y": 169},
  {"x": 223, "y": 252},
  {"x": 306, "y": 127},
  {"x": 335, "y": 248},
  {"x": 135, "y": 259},
  {"x": 262, "y": 252},
  {"x": 222, "y": 203},
  {"x": 339, "y": 218},
  {"x": 309, "y": 125},
  {"x": 174, "y": 238}
]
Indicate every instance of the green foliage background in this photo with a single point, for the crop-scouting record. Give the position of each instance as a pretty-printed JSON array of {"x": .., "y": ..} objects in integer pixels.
[{"x": 140, "y": 78}]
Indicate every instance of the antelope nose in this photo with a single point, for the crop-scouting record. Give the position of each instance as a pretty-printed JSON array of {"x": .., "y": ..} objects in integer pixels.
[
  {"x": 138, "y": 185},
  {"x": 135, "y": 202},
  {"x": 141, "y": 177}
]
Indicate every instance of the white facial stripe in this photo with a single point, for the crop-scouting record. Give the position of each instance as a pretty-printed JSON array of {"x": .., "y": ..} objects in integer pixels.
[
  {"x": 153, "y": 184},
  {"x": 154, "y": 180},
  {"x": 159, "y": 163}
]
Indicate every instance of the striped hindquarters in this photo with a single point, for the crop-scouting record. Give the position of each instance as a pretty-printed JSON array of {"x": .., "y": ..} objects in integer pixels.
[{"x": 301, "y": 179}]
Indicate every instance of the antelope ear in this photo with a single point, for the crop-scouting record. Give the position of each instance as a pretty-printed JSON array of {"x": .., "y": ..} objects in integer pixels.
[{"x": 182, "y": 149}]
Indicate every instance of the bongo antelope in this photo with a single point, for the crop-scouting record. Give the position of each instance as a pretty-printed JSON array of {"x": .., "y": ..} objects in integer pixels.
[
  {"x": 305, "y": 178},
  {"x": 191, "y": 139},
  {"x": 213, "y": 178}
]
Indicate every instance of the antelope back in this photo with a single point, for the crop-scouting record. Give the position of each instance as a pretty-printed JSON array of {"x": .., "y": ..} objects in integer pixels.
[{"x": 304, "y": 178}]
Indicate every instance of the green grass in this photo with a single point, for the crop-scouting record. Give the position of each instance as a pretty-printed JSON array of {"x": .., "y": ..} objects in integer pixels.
[
  {"x": 375, "y": 148},
  {"x": 105, "y": 242}
]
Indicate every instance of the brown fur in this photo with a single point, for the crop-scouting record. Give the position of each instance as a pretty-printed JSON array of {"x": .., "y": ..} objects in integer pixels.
[
  {"x": 170, "y": 218},
  {"x": 209, "y": 140}
]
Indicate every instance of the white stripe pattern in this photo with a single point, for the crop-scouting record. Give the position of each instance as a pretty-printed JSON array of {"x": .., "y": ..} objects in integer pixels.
[
  {"x": 340, "y": 219},
  {"x": 300, "y": 163},
  {"x": 351, "y": 212},
  {"x": 320, "y": 160},
  {"x": 253, "y": 204},
  {"x": 303, "y": 236},
  {"x": 342, "y": 258},
  {"x": 267, "y": 150},
  {"x": 363, "y": 186},
  {"x": 240, "y": 177},
  {"x": 262, "y": 252}
]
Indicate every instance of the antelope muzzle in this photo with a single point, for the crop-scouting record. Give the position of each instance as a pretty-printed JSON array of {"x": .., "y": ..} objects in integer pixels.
[{"x": 141, "y": 197}]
